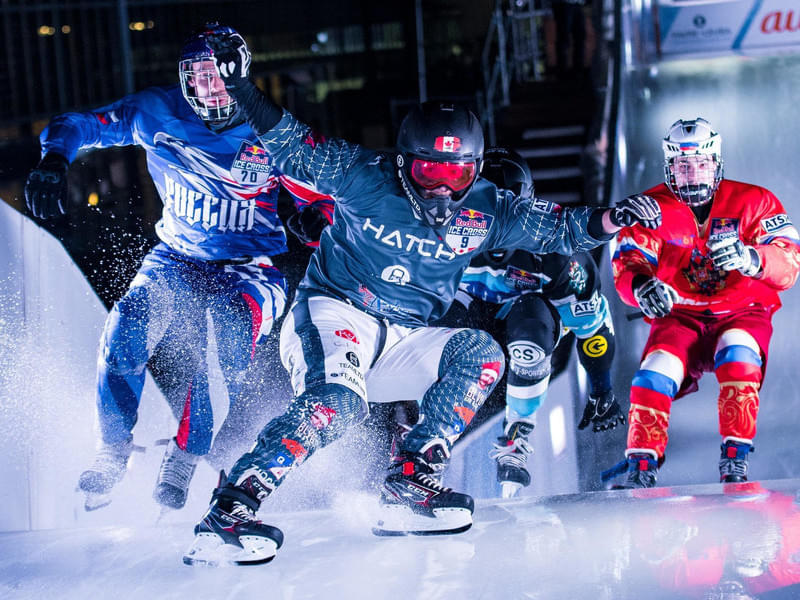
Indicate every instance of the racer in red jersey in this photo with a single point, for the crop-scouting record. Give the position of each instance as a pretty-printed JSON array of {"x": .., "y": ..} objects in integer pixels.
[{"x": 707, "y": 279}]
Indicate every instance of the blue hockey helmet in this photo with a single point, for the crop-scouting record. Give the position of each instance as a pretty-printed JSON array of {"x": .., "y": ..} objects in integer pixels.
[
  {"x": 439, "y": 155},
  {"x": 202, "y": 86}
]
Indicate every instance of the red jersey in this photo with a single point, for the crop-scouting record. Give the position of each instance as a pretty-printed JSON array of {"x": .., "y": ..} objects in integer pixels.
[{"x": 677, "y": 252}]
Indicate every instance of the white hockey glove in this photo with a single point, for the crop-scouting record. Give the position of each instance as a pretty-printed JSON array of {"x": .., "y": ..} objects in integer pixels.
[
  {"x": 731, "y": 254},
  {"x": 636, "y": 209},
  {"x": 655, "y": 298},
  {"x": 232, "y": 59}
]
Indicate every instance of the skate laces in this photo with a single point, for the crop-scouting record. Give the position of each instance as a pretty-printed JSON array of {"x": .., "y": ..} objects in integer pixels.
[
  {"x": 735, "y": 465},
  {"x": 243, "y": 512},
  {"x": 177, "y": 467},
  {"x": 112, "y": 459},
  {"x": 425, "y": 473},
  {"x": 511, "y": 452},
  {"x": 431, "y": 481}
]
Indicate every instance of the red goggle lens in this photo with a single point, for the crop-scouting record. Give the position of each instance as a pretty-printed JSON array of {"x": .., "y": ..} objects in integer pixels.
[{"x": 431, "y": 174}]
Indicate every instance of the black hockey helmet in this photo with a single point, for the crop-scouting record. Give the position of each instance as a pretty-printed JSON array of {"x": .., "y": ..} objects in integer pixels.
[
  {"x": 439, "y": 155},
  {"x": 508, "y": 170}
]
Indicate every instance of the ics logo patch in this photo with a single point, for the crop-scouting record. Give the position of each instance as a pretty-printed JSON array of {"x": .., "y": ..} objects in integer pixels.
[
  {"x": 252, "y": 164},
  {"x": 353, "y": 359},
  {"x": 467, "y": 230}
]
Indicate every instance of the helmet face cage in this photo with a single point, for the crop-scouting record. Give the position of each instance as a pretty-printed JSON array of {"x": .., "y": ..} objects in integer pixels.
[
  {"x": 693, "y": 138},
  {"x": 508, "y": 170},
  {"x": 438, "y": 144},
  {"x": 200, "y": 83}
]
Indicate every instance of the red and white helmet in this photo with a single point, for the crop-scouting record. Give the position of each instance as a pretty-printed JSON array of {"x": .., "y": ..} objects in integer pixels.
[{"x": 692, "y": 138}]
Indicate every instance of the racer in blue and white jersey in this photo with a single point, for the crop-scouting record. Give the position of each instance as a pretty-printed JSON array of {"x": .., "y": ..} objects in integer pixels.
[
  {"x": 218, "y": 228},
  {"x": 404, "y": 230},
  {"x": 530, "y": 302}
]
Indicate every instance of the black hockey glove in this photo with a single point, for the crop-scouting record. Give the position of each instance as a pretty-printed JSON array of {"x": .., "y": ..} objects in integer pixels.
[
  {"x": 46, "y": 187},
  {"x": 638, "y": 208},
  {"x": 232, "y": 59},
  {"x": 732, "y": 255},
  {"x": 307, "y": 224},
  {"x": 603, "y": 411},
  {"x": 655, "y": 297}
]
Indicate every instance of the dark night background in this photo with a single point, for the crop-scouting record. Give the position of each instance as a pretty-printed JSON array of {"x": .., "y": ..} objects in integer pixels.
[{"x": 349, "y": 68}]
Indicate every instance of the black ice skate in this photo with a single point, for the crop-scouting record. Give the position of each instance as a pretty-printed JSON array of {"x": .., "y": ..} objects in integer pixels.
[
  {"x": 107, "y": 470},
  {"x": 733, "y": 461},
  {"x": 230, "y": 534},
  {"x": 640, "y": 470},
  {"x": 511, "y": 453},
  {"x": 413, "y": 501},
  {"x": 174, "y": 476}
]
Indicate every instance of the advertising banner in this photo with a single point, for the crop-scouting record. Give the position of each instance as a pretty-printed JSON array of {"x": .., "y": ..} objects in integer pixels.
[{"x": 691, "y": 27}]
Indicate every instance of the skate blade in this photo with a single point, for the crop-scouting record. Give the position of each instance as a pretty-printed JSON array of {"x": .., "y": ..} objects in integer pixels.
[
  {"x": 94, "y": 501},
  {"x": 208, "y": 549},
  {"x": 401, "y": 520},
  {"x": 510, "y": 489}
]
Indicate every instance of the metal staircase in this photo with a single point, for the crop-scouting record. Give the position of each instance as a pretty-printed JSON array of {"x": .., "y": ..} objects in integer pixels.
[{"x": 546, "y": 120}]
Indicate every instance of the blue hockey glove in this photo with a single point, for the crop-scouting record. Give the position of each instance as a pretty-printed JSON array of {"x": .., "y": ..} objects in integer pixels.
[
  {"x": 638, "y": 208},
  {"x": 46, "y": 187},
  {"x": 731, "y": 254}
]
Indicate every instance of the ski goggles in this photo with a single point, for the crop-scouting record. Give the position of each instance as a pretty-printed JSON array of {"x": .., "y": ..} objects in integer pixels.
[{"x": 432, "y": 174}]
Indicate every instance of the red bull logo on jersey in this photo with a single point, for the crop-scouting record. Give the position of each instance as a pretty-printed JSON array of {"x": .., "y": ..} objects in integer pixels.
[
  {"x": 467, "y": 230},
  {"x": 217, "y": 214},
  {"x": 723, "y": 229},
  {"x": 252, "y": 165},
  {"x": 520, "y": 279}
]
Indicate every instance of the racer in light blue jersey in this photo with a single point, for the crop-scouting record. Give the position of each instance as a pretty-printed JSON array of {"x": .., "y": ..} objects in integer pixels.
[
  {"x": 532, "y": 303},
  {"x": 218, "y": 229},
  {"x": 404, "y": 229}
]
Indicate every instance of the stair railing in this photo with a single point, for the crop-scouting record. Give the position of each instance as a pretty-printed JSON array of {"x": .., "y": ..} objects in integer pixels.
[{"x": 511, "y": 51}]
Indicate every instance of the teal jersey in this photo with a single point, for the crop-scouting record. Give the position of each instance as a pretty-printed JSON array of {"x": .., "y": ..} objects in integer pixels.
[{"x": 379, "y": 256}]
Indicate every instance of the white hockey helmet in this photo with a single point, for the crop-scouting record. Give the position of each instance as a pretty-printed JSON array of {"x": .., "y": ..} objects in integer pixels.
[{"x": 693, "y": 137}]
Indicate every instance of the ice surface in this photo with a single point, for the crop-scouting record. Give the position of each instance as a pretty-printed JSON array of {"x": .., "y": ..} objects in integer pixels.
[{"x": 659, "y": 543}]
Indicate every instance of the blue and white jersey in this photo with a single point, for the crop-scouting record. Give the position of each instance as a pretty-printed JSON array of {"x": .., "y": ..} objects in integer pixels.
[
  {"x": 220, "y": 190},
  {"x": 570, "y": 283},
  {"x": 379, "y": 256}
]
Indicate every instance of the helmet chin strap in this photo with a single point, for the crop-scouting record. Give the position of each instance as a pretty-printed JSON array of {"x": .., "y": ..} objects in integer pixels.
[
  {"x": 236, "y": 118},
  {"x": 412, "y": 199},
  {"x": 440, "y": 214}
]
